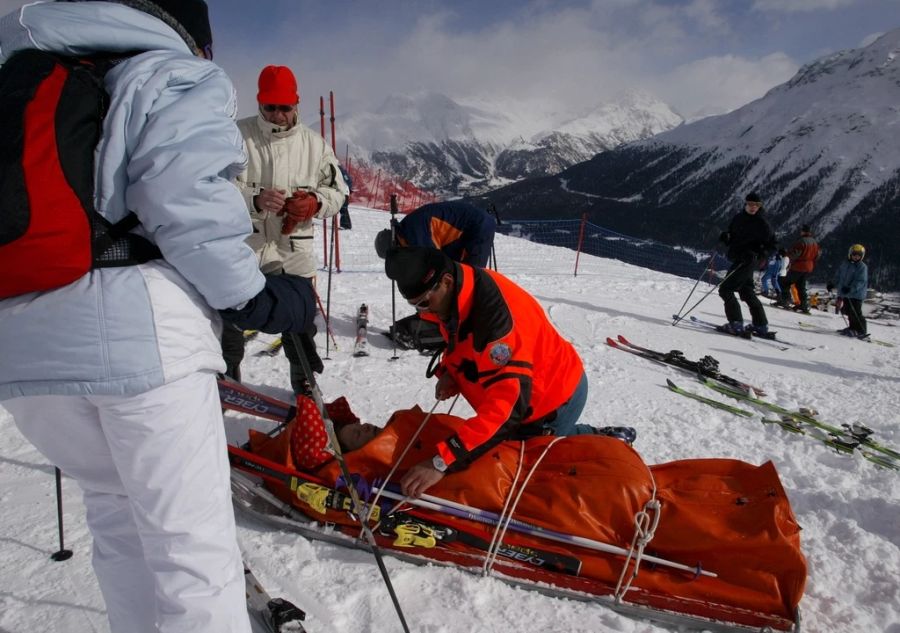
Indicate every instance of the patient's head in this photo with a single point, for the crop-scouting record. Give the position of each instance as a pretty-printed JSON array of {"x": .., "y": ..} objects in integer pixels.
[{"x": 355, "y": 436}]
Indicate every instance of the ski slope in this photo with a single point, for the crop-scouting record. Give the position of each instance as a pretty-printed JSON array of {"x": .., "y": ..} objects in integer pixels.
[{"x": 848, "y": 508}]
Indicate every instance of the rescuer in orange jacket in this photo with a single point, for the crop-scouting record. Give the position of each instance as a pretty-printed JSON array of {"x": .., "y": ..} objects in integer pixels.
[{"x": 503, "y": 355}]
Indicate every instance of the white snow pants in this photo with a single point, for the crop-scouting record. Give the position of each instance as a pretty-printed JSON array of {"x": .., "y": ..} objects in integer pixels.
[{"x": 155, "y": 476}]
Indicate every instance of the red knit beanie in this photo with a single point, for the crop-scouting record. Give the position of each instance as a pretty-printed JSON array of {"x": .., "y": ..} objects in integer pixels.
[{"x": 277, "y": 86}]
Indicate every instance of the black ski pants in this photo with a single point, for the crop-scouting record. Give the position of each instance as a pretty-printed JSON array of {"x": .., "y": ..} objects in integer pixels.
[
  {"x": 740, "y": 280},
  {"x": 853, "y": 309},
  {"x": 795, "y": 278},
  {"x": 233, "y": 354}
]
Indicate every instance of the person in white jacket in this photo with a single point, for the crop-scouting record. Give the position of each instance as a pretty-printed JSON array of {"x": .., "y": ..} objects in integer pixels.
[
  {"x": 113, "y": 376},
  {"x": 292, "y": 179}
]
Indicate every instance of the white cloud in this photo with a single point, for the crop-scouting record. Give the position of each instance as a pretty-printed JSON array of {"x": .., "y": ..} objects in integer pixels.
[
  {"x": 719, "y": 84},
  {"x": 868, "y": 39},
  {"x": 800, "y": 6}
]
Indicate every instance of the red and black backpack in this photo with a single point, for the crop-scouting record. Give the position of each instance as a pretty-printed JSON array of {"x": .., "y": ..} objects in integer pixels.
[{"x": 52, "y": 111}]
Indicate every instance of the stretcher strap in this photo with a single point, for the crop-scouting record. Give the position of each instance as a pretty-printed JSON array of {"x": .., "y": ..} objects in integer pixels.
[{"x": 508, "y": 510}]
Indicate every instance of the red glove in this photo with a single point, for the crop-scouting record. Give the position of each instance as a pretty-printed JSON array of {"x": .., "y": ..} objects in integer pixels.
[{"x": 301, "y": 207}]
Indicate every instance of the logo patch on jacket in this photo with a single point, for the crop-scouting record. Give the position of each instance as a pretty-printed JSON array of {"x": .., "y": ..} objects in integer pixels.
[{"x": 500, "y": 354}]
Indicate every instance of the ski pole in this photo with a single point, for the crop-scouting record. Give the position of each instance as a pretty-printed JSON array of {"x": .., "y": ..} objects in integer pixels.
[
  {"x": 708, "y": 292},
  {"x": 63, "y": 553},
  {"x": 483, "y": 516},
  {"x": 696, "y": 283},
  {"x": 325, "y": 317},
  {"x": 393, "y": 282},
  {"x": 358, "y": 507},
  {"x": 328, "y": 291}
]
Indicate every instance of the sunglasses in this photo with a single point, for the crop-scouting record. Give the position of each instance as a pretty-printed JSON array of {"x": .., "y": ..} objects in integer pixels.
[
  {"x": 277, "y": 108},
  {"x": 422, "y": 304}
]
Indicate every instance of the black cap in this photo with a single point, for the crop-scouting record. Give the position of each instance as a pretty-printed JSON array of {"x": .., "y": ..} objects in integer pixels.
[
  {"x": 416, "y": 269},
  {"x": 753, "y": 197},
  {"x": 806, "y": 228},
  {"x": 193, "y": 15}
]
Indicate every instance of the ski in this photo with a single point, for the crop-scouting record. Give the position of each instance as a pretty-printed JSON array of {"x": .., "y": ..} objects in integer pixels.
[
  {"x": 713, "y": 403},
  {"x": 782, "y": 345},
  {"x": 271, "y": 349},
  {"x": 249, "y": 335},
  {"x": 361, "y": 346},
  {"x": 849, "y": 433},
  {"x": 867, "y": 338},
  {"x": 706, "y": 366},
  {"x": 236, "y": 397},
  {"x": 270, "y": 615}
]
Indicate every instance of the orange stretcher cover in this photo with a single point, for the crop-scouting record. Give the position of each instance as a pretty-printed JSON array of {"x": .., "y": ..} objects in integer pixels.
[{"x": 728, "y": 516}]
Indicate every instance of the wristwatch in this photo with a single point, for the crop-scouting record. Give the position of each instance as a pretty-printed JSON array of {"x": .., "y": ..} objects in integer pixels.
[{"x": 439, "y": 464}]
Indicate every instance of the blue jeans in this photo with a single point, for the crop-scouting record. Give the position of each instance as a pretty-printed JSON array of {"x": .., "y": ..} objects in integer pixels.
[{"x": 568, "y": 414}]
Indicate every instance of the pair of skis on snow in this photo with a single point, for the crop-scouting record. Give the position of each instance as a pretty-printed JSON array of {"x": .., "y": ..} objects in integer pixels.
[
  {"x": 845, "y": 439},
  {"x": 360, "y": 345}
]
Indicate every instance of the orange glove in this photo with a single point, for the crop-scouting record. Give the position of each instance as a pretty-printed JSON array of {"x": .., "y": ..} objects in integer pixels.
[{"x": 300, "y": 207}]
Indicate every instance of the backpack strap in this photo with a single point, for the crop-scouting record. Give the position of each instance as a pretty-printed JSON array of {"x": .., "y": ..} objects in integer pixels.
[{"x": 114, "y": 245}]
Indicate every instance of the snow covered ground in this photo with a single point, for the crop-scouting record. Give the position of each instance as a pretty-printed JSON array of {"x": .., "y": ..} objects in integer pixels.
[{"x": 849, "y": 509}]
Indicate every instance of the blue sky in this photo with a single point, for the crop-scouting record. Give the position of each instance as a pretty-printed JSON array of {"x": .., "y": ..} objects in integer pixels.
[{"x": 700, "y": 56}]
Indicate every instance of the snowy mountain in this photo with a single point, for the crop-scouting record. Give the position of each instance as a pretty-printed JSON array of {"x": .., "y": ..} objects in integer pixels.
[
  {"x": 849, "y": 509},
  {"x": 820, "y": 149},
  {"x": 468, "y": 147}
]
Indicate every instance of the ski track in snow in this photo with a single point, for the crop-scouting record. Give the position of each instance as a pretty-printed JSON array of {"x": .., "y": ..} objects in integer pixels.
[{"x": 848, "y": 508}]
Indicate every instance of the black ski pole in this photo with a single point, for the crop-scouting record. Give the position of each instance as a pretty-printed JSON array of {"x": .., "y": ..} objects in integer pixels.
[
  {"x": 63, "y": 553},
  {"x": 493, "y": 210},
  {"x": 708, "y": 292},
  {"x": 691, "y": 293},
  {"x": 358, "y": 508},
  {"x": 394, "y": 283},
  {"x": 328, "y": 291}
]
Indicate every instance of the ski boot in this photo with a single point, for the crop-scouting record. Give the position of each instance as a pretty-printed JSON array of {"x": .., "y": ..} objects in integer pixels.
[
  {"x": 735, "y": 328},
  {"x": 625, "y": 433},
  {"x": 761, "y": 331}
]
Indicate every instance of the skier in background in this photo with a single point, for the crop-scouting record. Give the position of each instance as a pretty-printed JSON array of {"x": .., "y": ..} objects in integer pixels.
[
  {"x": 113, "y": 376},
  {"x": 463, "y": 232},
  {"x": 773, "y": 270},
  {"x": 749, "y": 239},
  {"x": 851, "y": 282},
  {"x": 803, "y": 253}
]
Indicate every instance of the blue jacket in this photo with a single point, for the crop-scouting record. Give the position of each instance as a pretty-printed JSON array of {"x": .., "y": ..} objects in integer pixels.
[
  {"x": 168, "y": 152},
  {"x": 852, "y": 280},
  {"x": 463, "y": 232}
]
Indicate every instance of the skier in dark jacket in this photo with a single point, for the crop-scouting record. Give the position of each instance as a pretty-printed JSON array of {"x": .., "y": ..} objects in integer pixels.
[
  {"x": 463, "y": 232},
  {"x": 749, "y": 239}
]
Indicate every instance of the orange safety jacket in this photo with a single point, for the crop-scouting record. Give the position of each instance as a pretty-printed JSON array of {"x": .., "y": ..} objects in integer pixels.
[{"x": 510, "y": 363}]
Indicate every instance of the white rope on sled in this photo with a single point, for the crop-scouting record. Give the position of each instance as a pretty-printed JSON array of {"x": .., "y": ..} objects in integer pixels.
[
  {"x": 506, "y": 517},
  {"x": 645, "y": 523}
]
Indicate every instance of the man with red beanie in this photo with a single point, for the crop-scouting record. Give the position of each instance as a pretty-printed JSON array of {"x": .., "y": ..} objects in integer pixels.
[{"x": 292, "y": 178}]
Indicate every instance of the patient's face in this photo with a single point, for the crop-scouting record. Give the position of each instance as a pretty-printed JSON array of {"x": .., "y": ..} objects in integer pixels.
[{"x": 354, "y": 436}]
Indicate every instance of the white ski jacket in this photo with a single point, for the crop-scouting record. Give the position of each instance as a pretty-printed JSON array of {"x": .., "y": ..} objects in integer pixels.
[
  {"x": 169, "y": 151},
  {"x": 290, "y": 160}
]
